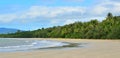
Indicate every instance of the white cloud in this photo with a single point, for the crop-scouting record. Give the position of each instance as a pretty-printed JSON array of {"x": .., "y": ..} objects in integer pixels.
[
  {"x": 69, "y": 21},
  {"x": 115, "y": 0},
  {"x": 98, "y": 10},
  {"x": 103, "y": 7},
  {"x": 66, "y": 14},
  {"x": 7, "y": 18},
  {"x": 55, "y": 21},
  {"x": 34, "y": 11},
  {"x": 51, "y": 12},
  {"x": 74, "y": 0},
  {"x": 62, "y": 0},
  {"x": 43, "y": 13}
]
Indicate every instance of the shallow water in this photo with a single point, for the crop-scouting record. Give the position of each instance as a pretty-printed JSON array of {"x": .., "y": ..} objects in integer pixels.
[{"x": 9, "y": 45}]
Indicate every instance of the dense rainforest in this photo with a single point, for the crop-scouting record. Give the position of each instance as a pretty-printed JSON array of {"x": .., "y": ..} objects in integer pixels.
[{"x": 109, "y": 28}]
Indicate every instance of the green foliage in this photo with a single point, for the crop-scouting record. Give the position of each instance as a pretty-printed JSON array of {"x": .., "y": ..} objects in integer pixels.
[
  {"x": 109, "y": 16},
  {"x": 107, "y": 29}
]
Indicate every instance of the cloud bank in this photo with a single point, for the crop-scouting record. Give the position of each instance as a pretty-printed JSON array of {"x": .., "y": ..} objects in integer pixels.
[{"x": 63, "y": 14}]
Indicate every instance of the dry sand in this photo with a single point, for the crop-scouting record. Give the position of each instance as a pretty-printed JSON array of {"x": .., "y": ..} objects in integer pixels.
[{"x": 94, "y": 49}]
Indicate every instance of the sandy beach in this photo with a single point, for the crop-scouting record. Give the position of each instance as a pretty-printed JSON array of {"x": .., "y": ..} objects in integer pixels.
[{"x": 94, "y": 49}]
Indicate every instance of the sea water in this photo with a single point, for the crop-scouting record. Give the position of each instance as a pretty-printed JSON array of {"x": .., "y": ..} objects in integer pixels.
[{"x": 9, "y": 44}]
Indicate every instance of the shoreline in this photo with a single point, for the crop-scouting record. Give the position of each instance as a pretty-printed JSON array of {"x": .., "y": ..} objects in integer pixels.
[{"x": 95, "y": 49}]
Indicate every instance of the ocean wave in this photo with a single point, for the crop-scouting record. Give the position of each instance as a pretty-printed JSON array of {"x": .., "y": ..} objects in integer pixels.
[{"x": 34, "y": 44}]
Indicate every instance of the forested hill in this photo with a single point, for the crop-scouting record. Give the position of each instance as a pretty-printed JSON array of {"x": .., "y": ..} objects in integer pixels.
[
  {"x": 7, "y": 30},
  {"x": 107, "y": 29}
]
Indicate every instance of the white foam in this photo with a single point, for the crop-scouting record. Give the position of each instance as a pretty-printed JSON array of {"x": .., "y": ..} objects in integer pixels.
[{"x": 33, "y": 45}]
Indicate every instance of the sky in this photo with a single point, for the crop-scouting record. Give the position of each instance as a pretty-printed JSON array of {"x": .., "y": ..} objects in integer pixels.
[{"x": 36, "y": 14}]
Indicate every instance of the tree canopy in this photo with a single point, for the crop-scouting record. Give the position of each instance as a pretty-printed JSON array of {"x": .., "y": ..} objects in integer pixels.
[{"x": 107, "y": 29}]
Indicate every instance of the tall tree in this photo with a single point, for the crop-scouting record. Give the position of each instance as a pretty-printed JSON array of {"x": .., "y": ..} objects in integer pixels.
[{"x": 109, "y": 16}]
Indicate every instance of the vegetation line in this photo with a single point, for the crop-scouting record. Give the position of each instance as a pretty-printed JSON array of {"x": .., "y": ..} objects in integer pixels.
[{"x": 107, "y": 29}]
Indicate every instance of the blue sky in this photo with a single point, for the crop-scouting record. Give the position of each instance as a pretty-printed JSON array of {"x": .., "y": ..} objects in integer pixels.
[{"x": 35, "y": 14}]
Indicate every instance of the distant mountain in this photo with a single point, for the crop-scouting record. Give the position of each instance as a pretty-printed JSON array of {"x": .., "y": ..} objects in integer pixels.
[{"x": 7, "y": 30}]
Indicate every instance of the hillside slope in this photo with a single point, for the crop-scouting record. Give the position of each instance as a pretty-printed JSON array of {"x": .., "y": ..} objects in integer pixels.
[
  {"x": 7, "y": 30},
  {"x": 107, "y": 29}
]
